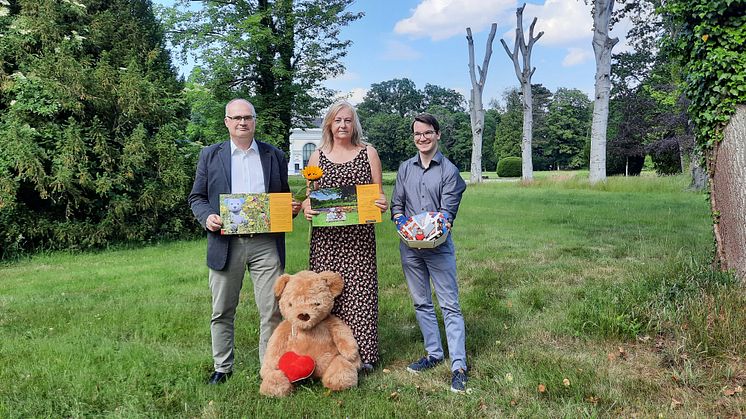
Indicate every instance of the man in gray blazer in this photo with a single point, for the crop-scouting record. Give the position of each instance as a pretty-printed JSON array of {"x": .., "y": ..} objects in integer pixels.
[{"x": 240, "y": 165}]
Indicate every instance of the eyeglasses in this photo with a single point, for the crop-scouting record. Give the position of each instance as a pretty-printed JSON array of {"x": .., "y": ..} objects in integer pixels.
[
  {"x": 246, "y": 118},
  {"x": 427, "y": 134}
]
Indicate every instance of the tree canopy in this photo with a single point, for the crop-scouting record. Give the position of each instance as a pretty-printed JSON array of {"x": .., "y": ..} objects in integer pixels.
[
  {"x": 561, "y": 124},
  {"x": 274, "y": 53},
  {"x": 508, "y": 132},
  {"x": 549, "y": 115},
  {"x": 386, "y": 115},
  {"x": 397, "y": 96},
  {"x": 565, "y": 131}
]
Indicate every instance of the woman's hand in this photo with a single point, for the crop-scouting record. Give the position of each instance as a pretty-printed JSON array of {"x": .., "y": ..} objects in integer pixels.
[
  {"x": 382, "y": 203},
  {"x": 308, "y": 212}
]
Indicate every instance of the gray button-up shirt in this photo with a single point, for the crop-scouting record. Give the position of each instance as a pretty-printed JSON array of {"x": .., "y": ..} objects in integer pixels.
[{"x": 437, "y": 188}]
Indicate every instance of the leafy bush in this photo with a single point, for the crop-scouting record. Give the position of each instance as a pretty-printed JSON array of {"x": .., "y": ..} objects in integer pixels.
[
  {"x": 624, "y": 156},
  {"x": 666, "y": 156},
  {"x": 509, "y": 167}
]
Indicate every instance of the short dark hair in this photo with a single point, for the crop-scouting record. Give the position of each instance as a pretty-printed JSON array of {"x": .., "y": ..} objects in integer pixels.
[{"x": 428, "y": 119}]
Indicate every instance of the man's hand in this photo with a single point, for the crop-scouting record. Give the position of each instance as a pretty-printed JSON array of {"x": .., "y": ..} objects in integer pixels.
[
  {"x": 296, "y": 207},
  {"x": 399, "y": 220},
  {"x": 214, "y": 222},
  {"x": 447, "y": 216}
]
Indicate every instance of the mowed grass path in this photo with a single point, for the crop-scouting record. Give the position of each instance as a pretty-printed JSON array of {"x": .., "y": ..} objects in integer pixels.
[{"x": 578, "y": 302}]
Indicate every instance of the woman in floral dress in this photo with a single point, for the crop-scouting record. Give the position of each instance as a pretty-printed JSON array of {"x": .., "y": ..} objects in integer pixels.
[{"x": 350, "y": 250}]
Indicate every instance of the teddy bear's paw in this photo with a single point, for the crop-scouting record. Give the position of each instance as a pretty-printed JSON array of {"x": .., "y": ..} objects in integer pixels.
[
  {"x": 340, "y": 382},
  {"x": 352, "y": 356},
  {"x": 275, "y": 391},
  {"x": 275, "y": 384},
  {"x": 340, "y": 375}
]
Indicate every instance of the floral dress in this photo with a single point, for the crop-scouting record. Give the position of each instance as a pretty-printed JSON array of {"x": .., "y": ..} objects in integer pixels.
[{"x": 351, "y": 251}]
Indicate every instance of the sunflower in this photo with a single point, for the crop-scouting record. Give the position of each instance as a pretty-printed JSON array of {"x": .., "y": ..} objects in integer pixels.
[{"x": 312, "y": 173}]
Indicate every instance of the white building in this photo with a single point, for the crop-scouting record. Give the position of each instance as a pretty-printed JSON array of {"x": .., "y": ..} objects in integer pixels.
[{"x": 303, "y": 141}]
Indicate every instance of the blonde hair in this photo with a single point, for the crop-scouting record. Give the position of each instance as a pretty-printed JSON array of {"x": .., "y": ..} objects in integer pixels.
[{"x": 327, "y": 136}]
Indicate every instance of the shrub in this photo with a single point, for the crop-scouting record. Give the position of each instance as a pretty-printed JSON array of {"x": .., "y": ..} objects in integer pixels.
[
  {"x": 509, "y": 167},
  {"x": 665, "y": 155}
]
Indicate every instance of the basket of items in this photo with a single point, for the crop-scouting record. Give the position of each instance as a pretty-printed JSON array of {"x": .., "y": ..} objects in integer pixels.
[{"x": 424, "y": 231}]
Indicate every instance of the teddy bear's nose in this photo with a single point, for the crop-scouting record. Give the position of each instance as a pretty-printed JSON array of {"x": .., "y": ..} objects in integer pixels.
[{"x": 304, "y": 317}]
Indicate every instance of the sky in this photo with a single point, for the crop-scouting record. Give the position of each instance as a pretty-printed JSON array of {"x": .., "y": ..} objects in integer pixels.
[{"x": 425, "y": 41}]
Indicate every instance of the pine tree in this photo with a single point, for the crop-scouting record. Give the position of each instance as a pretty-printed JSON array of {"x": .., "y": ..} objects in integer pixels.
[{"x": 90, "y": 114}]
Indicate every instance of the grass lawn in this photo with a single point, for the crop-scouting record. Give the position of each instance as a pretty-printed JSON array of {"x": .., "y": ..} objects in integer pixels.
[{"x": 579, "y": 302}]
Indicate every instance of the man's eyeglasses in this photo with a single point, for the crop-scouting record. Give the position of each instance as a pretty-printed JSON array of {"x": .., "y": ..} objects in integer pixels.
[
  {"x": 427, "y": 134},
  {"x": 246, "y": 118}
]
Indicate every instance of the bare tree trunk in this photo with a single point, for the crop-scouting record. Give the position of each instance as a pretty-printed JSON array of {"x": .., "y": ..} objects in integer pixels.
[
  {"x": 699, "y": 175},
  {"x": 602, "y": 46},
  {"x": 683, "y": 158},
  {"x": 527, "y": 163},
  {"x": 476, "y": 115},
  {"x": 524, "y": 77},
  {"x": 728, "y": 195},
  {"x": 476, "y": 109}
]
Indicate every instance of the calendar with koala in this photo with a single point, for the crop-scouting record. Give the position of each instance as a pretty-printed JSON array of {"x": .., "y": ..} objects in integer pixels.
[{"x": 256, "y": 213}]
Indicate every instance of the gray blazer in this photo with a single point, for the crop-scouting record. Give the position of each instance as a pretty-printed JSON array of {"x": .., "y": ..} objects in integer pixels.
[{"x": 213, "y": 177}]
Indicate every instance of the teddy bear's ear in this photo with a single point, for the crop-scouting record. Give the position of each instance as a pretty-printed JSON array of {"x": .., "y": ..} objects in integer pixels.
[
  {"x": 333, "y": 281},
  {"x": 280, "y": 284}
]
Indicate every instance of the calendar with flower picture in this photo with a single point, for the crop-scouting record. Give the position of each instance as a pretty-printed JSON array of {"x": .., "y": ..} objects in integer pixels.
[{"x": 256, "y": 213}]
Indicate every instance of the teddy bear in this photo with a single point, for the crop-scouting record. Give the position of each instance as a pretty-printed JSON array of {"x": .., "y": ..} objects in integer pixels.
[
  {"x": 310, "y": 341},
  {"x": 236, "y": 211}
]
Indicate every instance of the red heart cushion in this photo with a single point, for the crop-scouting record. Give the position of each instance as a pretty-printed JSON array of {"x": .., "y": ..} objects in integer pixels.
[{"x": 296, "y": 367}]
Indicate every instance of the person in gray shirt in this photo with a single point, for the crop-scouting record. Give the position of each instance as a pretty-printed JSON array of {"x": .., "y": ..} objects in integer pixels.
[{"x": 430, "y": 182}]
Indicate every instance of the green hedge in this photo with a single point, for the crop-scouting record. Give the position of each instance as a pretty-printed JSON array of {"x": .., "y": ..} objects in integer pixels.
[{"x": 509, "y": 167}]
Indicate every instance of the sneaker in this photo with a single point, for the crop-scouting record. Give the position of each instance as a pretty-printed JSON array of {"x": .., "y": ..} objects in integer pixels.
[
  {"x": 366, "y": 368},
  {"x": 424, "y": 363},
  {"x": 458, "y": 381}
]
